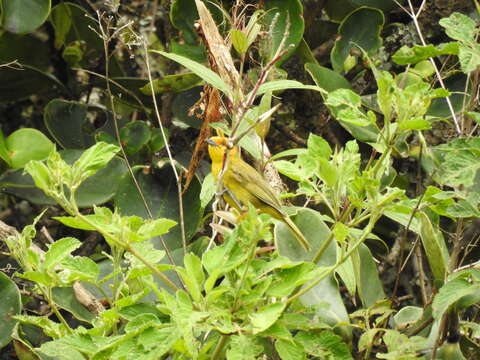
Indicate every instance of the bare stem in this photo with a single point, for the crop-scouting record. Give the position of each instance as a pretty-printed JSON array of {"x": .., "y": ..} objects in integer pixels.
[{"x": 167, "y": 147}]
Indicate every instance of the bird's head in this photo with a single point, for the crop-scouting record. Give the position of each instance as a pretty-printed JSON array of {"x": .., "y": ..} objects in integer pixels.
[{"x": 217, "y": 146}]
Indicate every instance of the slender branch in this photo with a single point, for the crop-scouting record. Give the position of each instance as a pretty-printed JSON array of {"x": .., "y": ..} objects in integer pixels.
[{"x": 167, "y": 147}]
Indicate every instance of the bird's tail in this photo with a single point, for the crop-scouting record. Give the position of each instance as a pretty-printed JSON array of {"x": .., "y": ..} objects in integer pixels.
[{"x": 298, "y": 234}]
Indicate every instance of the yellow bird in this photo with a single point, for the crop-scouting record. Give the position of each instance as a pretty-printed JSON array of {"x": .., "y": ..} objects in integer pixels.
[{"x": 243, "y": 185}]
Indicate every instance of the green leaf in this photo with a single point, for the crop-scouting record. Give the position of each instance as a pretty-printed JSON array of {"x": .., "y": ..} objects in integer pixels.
[
  {"x": 79, "y": 268},
  {"x": 288, "y": 279},
  {"x": 407, "y": 316},
  {"x": 469, "y": 57},
  {"x": 460, "y": 162},
  {"x": 289, "y": 350},
  {"x": 93, "y": 159},
  {"x": 452, "y": 292},
  {"x": 326, "y": 78},
  {"x": 239, "y": 41},
  {"x": 66, "y": 121},
  {"x": 283, "y": 18},
  {"x": 288, "y": 169},
  {"x": 134, "y": 136},
  {"x": 208, "y": 190},
  {"x": 27, "y": 144},
  {"x": 13, "y": 14},
  {"x": 418, "y": 123},
  {"x": 3, "y": 149},
  {"x": 38, "y": 277},
  {"x": 61, "y": 19},
  {"x": 266, "y": 316},
  {"x": 317, "y": 146},
  {"x": 203, "y": 72},
  {"x": 435, "y": 247},
  {"x": 412, "y": 55},
  {"x": 277, "y": 85},
  {"x": 60, "y": 250},
  {"x": 157, "y": 227},
  {"x": 462, "y": 209},
  {"x": 324, "y": 344},
  {"x": 193, "y": 265},
  {"x": 459, "y": 27},
  {"x": 9, "y": 306},
  {"x": 242, "y": 347},
  {"x": 65, "y": 298},
  {"x": 174, "y": 83},
  {"x": 95, "y": 190},
  {"x": 370, "y": 287},
  {"x": 359, "y": 31},
  {"x": 160, "y": 192}
]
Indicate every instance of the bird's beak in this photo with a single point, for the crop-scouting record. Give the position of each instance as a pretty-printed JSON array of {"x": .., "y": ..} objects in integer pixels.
[{"x": 211, "y": 142}]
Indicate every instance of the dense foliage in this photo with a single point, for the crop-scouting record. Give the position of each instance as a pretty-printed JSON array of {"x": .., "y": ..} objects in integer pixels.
[{"x": 116, "y": 242}]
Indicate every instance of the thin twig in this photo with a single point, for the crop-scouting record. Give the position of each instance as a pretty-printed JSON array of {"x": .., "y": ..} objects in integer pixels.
[{"x": 167, "y": 147}]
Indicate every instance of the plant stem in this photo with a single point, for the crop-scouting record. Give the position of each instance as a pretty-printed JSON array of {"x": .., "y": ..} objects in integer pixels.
[{"x": 219, "y": 348}]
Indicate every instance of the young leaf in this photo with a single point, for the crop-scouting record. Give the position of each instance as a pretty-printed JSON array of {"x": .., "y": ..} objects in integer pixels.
[
  {"x": 60, "y": 250},
  {"x": 92, "y": 160},
  {"x": 266, "y": 316},
  {"x": 435, "y": 247}
]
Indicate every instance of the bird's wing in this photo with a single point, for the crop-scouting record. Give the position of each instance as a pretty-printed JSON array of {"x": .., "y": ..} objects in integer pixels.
[{"x": 255, "y": 184}]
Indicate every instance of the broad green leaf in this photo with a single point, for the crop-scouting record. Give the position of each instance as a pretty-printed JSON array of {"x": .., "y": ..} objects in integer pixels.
[
  {"x": 10, "y": 305},
  {"x": 3, "y": 149},
  {"x": 412, "y": 55},
  {"x": 66, "y": 122},
  {"x": 160, "y": 193},
  {"x": 134, "y": 136},
  {"x": 326, "y": 78},
  {"x": 13, "y": 14},
  {"x": 283, "y": 18},
  {"x": 60, "y": 250},
  {"x": 460, "y": 162},
  {"x": 318, "y": 146},
  {"x": 27, "y": 144},
  {"x": 20, "y": 84},
  {"x": 201, "y": 71},
  {"x": 243, "y": 347},
  {"x": 407, "y": 316},
  {"x": 173, "y": 83},
  {"x": 419, "y": 123},
  {"x": 459, "y": 27},
  {"x": 434, "y": 246},
  {"x": 288, "y": 169},
  {"x": 79, "y": 268},
  {"x": 65, "y": 298},
  {"x": 93, "y": 159},
  {"x": 452, "y": 292},
  {"x": 290, "y": 350},
  {"x": 38, "y": 277},
  {"x": 369, "y": 286},
  {"x": 287, "y": 280},
  {"x": 469, "y": 57},
  {"x": 157, "y": 227},
  {"x": 61, "y": 19},
  {"x": 266, "y": 316},
  {"x": 324, "y": 344},
  {"x": 193, "y": 265},
  {"x": 359, "y": 31},
  {"x": 462, "y": 209}
]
